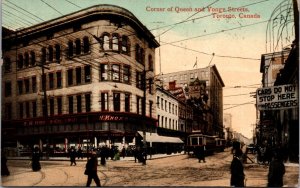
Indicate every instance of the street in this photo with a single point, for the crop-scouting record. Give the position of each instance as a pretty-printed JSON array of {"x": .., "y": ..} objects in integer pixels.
[{"x": 174, "y": 170}]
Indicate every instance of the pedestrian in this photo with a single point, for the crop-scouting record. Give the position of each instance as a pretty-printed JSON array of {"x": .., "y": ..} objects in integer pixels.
[
  {"x": 237, "y": 170},
  {"x": 35, "y": 163},
  {"x": 91, "y": 170},
  {"x": 79, "y": 153},
  {"x": 276, "y": 171},
  {"x": 201, "y": 154},
  {"x": 4, "y": 169},
  {"x": 72, "y": 154},
  {"x": 103, "y": 156},
  {"x": 123, "y": 152}
]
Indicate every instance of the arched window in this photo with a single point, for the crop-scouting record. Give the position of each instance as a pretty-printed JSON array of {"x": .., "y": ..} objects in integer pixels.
[
  {"x": 115, "y": 42},
  {"x": 57, "y": 52},
  {"x": 32, "y": 58},
  {"x": 125, "y": 44},
  {"x": 26, "y": 59},
  {"x": 106, "y": 45},
  {"x": 78, "y": 47},
  {"x": 20, "y": 61},
  {"x": 50, "y": 53},
  {"x": 43, "y": 57},
  {"x": 70, "y": 49},
  {"x": 137, "y": 53},
  {"x": 150, "y": 62},
  {"x": 86, "y": 45}
]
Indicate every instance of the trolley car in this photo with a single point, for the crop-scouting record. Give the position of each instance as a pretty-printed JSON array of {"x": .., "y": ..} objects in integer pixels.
[{"x": 211, "y": 143}]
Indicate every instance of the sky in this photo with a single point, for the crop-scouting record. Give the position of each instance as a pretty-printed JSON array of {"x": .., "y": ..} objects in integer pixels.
[{"x": 189, "y": 32}]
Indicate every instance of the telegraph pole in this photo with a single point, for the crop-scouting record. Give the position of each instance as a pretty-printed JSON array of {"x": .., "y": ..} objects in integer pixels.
[
  {"x": 144, "y": 113},
  {"x": 45, "y": 104}
]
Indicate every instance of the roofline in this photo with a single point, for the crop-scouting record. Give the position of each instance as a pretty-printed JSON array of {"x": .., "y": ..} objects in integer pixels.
[{"x": 102, "y": 9}]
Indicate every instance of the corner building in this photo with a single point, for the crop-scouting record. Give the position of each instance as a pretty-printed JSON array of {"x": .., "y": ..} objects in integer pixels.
[{"x": 92, "y": 67}]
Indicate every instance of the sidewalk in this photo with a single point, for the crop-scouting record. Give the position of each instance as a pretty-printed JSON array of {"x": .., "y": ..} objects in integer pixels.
[{"x": 149, "y": 157}]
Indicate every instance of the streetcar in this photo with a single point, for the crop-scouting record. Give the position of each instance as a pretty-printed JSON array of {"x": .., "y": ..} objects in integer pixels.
[{"x": 211, "y": 143}]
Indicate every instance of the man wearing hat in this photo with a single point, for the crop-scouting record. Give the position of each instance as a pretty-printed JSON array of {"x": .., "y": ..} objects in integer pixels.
[{"x": 91, "y": 170}]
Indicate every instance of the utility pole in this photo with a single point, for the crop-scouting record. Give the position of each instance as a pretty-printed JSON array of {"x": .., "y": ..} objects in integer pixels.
[
  {"x": 144, "y": 113},
  {"x": 45, "y": 105}
]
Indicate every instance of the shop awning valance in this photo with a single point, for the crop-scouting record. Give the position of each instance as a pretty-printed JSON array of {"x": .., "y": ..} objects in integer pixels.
[{"x": 154, "y": 137}]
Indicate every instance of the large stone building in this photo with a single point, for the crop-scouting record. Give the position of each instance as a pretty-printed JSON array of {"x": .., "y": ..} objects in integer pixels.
[
  {"x": 93, "y": 68},
  {"x": 214, "y": 90}
]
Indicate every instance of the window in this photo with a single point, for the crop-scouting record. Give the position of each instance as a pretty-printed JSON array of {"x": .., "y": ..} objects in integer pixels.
[
  {"x": 43, "y": 56},
  {"x": 20, "y": 110},
  {"x": 157, "y": 99},
  {"x": 125, "y": 44},
  {"x": 59, "y": 105},
  {"x": 142, "y": 56},
  {"x": 50, "y": 53},
  {"x": 139, "y": 80},
  {"x": 116, "y": 72},
  {"x": 150, "y": 85},
  {"x": 26, "y": 59},
  {"x": 162, "y": 121},
  {"x": 172, "y": 108},
  {"x": 127, "y": 102},
  {"x": 116, "y": 101},
  {"x": 104, "y": 72},
  {"x": 7, "y": 64},
  {"x": 162, "y": 103},
  {"x": 137, "y": 53},
  {"x": 58, "y": 80},
  {"x": 20, "y": 87},
  {"x": 150, "y": 108},
  {"x": 27, "y": 110},
  {"x": 51, "y": 101},
  {"x": 7, "y": 89},
  {"x": 77, "y": 47},
  {"x": 158, "y": 118},
  {"x": 26, "y": 84},
  {"x": 70, "y": 49},
  {"x": 126, "y": 76},
  {"x": 71, "y": 109},
  {"x": 169, "y": 107},
  {"x": 166, "y": 122},
  {"x": 8, "y": 111},
  {"x": 106, "y": 45},
  {"x": 86, "y": 45},
  {"x": 33, "y": 108},
  {"x": 57, "y": 52},
  {"x": 51, "y": 80},
  {"x": 32, "y": 58},
  {"x": 87, "y": 102},
  {"x": 166, "y": 105},
  {"x": 150, "y": 62},
  {"x": 170, "y": 123},
  {"x": 104, "y": 101},
  {"x": 70, "y": 77},
  {"x": 78, "y": 75},
  {"x": 78, "y": 99},
  {"x": 138, "y": 102},
  {"x": 20, "y": 61},
  {"x": 115, "y": 42},
  {"x": 43, "y": 79},
  {"x": 87, "y": 73},
  {"x": 33, "y": 84}
]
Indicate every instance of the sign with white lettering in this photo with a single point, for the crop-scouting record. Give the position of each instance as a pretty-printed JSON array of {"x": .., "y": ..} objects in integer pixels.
[{"x": 277, "y": 97}]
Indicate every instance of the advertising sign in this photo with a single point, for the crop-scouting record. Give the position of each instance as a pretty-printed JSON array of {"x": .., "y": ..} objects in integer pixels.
[{"x": 277, "y": 97}]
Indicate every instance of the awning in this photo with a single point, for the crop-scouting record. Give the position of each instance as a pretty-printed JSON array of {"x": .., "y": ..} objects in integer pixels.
[{"x": 154, "y": 137}]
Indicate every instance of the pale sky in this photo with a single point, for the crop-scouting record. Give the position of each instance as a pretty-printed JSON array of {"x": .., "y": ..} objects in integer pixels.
[{"x": 237, "y": 43}]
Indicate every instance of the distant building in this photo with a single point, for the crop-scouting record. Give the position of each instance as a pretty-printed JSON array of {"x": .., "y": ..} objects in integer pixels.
[{"x": 214, "y": 91}]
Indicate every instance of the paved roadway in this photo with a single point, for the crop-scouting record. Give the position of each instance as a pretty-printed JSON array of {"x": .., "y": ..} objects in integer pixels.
[{"x": 169, "y": 170}]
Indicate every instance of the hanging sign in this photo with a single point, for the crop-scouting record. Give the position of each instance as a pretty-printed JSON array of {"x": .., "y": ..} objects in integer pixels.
[{"x": 277, "y": 97}]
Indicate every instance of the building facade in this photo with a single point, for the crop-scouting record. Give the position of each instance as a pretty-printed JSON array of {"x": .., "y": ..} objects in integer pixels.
[
  {"x": 82, "y": 79},
  {"x": 214, "y": 91}
]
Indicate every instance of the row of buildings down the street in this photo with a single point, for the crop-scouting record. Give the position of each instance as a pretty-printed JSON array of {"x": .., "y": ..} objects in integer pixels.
[{"x": 88, "y": 79}]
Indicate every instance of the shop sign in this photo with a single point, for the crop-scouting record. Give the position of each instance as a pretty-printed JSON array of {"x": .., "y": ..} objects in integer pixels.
[
  {"x": 277, "y": 97},
  {"x": 112, "y": 118}
]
